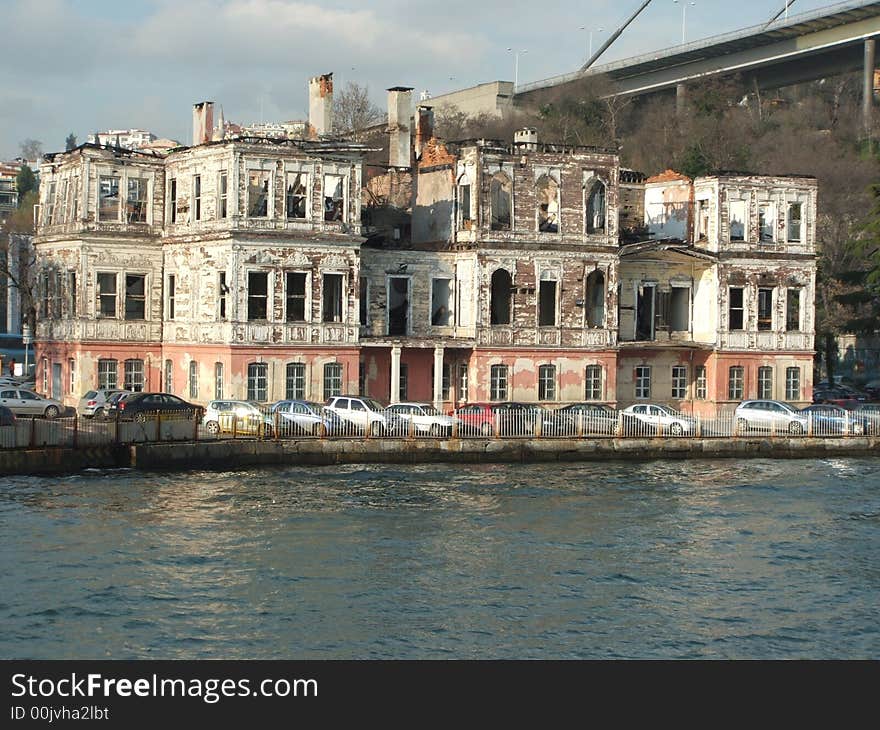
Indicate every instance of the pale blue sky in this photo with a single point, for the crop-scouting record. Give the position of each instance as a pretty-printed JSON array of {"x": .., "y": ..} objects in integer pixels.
[{"x": 82, "y": 65}]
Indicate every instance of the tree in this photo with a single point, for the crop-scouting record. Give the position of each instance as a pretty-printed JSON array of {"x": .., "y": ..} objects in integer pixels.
[
  {"x": 353, "y": 111},
  {"x": 31, "y": 149},
  {"x": 25, "y": 182},
  {"x": 70, "y": 142},
  {"x": 17, "y": 254}
]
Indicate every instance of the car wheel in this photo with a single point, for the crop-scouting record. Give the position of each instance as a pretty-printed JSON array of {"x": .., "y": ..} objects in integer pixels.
[
  {"x": 676, "y": 429},
  {"x": 213, "y": 427},
  {"x": 742, "y": 425},
  {"x": 487, "y": 429},
  {"x": 51, "y": 412},
  {"x": 795, "y": 428},
  {"x": 376, "y": 428}
]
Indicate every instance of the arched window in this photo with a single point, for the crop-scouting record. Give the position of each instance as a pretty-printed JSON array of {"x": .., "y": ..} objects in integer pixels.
[
  {"x": 595, "y": 221},
  {"x": 499, "y": 303},
  {"x": 547, "y": 193},
  {"x": 595, "y": 299},
  {"x": 500, "y": 190}
]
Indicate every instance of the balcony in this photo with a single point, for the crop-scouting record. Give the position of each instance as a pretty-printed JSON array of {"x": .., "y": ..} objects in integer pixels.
[{"x": 111, "y": 330}]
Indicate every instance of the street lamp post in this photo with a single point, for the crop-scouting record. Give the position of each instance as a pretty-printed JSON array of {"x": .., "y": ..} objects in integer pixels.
[
  {"x": 684, "y": 4},
  {"x": 516, "y": 66},
  {"x": 590, "y": 32}
]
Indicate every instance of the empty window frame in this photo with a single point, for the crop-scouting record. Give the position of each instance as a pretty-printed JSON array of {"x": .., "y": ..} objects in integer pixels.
[
  {"x": 172, "y": 200},
  {"x": 218, "y": 380},
  {"x": 464, "y": 206},
  {"x": 737, "y": 220},
  {"x": 223, "y": 291},
  {"x": 295, "y": 381},
  {"x": 332, "y": 379},
  {"x": 107, "y": 376},
  {"x": 547, "y": 194},
  {"x": 134, "y": 375},
  {"x": 593, "y": 383},
  {"x": 193, "y": 379},
  {"x": 735, "y": 311},
  {"x": 441, "y": 295},
  {"x": 792, "y": 383},
  {"x": 765, "y": 309},
  {"x": 767, "y": 222},
  {"x": 702, "y": 220},
  {"x": 108, "y": 198},
  {"x": 547, "y": 303},
  {"x": 135, "y": 296},
  {"x": 795, "y": 222},
  {"x": 107, "y": 295},
  {"x": 500, "y": 297},
  {"x": 364, "y": 300},
  {"x": 500, "y": 202},
  {"x": 258, "y": 296},
  {"x": 295, "y": 284},
  {"x": 679, "y": 382},
  {"x": 258, "y": 193},
  {"x": 334, "y": 198},
  {"x": 331, "y": 298},
  {"x": 793, "y": 309},
  {"x": 223, "y": 194},
  {"x": 136, "y": 200},
  {"x": 297, "y": 195},
  {"x": 765, "y": 383},
  {"x": 735, "y": 378},
  {"x": 643, "y": 381},
  {"x": 172, "y": 288},
  {"x": 700, "y": 382},
  {"x": 258, "y": 381},
  {"x": 546, "y": 382},
  {"x": 679, "y": 309},
  {"x": 398, "y": 305},
  {"x": 594, "y": 299},
  {"x": 197, "y": 197},
  {"x": 169, "y": 376},
  {"x": 498, "y": 382},
  {"x": 49, "y": 211},
  {"x": 595, "y": 213}
]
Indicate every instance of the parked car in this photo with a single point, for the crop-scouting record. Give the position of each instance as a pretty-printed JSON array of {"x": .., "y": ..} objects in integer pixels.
[
  {"x": 362, "y": 413},
  {"x": 769, "y": 415},
  {"x": 93, "y": 402},
  {"x": 27, "y": 403},
  {"x": 591, "y": 418},
  {"x": 141, "y": 406},
  {"x": 658, "y": 419},
  {"x": 111, "y": 407},
  {"x": 830, "y": 420},
  {"x": 475, "y": 419},
  {"x": 869, "y": 413},
  {"x": 835, "y": 395},
  {"x": 236, "y": 416},
  {"x": 302, "y": 416},
  {"x": 7, "y": 417},
  {"x": 425, "y": 419}
]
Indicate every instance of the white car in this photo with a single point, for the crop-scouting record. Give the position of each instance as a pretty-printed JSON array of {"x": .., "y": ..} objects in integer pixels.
[
  {"x": 657, "y": 418},
  {"x": 363, "y": 413},
  {"x": 423, "y": 417}
]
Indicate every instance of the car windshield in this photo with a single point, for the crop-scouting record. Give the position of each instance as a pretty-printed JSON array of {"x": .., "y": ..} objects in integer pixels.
[
  {"x": 430, "y": 411},
  {"x": 373, "y": 405},
  {"x": 668, "y": 411}
]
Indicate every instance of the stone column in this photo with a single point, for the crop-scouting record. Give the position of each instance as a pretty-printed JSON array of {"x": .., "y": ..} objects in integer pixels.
[
  {"x": 438, "y": 378},
  {"x": 680, "y": 98},
  {"x": 868, "y": 86},
  {"x": 395, "y": 374}
]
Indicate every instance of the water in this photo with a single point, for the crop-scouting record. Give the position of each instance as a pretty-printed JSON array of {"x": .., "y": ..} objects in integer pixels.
[{"x": 775, "y": 559}]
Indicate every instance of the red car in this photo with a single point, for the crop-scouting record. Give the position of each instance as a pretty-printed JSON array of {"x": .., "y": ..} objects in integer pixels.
[{"x": 476, "y": 418}]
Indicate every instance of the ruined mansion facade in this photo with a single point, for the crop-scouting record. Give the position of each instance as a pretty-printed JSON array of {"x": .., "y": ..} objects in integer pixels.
[{"x": 262, "y": 269}]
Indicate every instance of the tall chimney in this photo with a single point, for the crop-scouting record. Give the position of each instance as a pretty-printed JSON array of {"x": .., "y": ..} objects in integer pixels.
[
  {"x": 203, "y": 122},
  {"x": 321, "y": 105},
  {"x": 399, "y": 111},
  {"x": 424, "y": 127}
]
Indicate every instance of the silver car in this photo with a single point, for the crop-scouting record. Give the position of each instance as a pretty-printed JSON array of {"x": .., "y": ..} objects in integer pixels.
[
  {"x": 93, "y": 402},
  {"x": 27, "y": 403},
  {"x": 769, "y": 415}
]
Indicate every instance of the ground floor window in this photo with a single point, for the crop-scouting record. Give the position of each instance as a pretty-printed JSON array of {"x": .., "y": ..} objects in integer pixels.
[
  {"x": 792, "y": 384},
  {"x": 700, "y": 382},
  {"x": 547, "y": 382},
  {"x": 404, "y": 382},
  {"x": 735, "y": 383},
  {"x": 258, "y": 381},
  {"x": 444, "y": 383},
  {"x": 107, "y": 374},
  {"x": 593, "y": 383},
  {"x": 169, "y": 376},
  {"x": 765, "y": 383},
  {"x": 218, "y": 380},
  {"x": 332, "y": 379},
  {"x": 71, "y": 371},
  {"x": 134, "y": 375},
  {"x": 498, "y": 382},
  {"x": 295, "y": 381},
  {"x": 679, "y": 382},
  {"x": 193, "y": 379},
  {"x": 462, "y": 382},
  {"x": 643, "y": 381}
]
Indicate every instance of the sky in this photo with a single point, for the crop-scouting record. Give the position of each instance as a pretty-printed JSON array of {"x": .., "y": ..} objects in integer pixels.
[{"x": 86, "y": 65}]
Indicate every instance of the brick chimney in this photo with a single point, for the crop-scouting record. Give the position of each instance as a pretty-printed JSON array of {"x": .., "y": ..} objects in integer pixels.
[
  {"x": 399, "y": 111},
  {"x": 424, "y": 127},
  {"x": 321, "y": 105},
  {"x": 203, "y": 122}
]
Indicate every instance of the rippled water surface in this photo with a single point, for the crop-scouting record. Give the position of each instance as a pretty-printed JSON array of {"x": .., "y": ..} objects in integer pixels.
[{"x": 656, "y": 559}]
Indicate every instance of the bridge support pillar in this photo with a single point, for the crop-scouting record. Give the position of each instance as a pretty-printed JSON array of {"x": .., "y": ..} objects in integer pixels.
[
  {"x": 868, "y": 87},
  {"x": 680, "y": 98}
]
